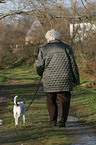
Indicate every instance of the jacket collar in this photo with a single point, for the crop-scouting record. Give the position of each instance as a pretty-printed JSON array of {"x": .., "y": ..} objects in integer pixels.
[{"x": 54, "y": 41}]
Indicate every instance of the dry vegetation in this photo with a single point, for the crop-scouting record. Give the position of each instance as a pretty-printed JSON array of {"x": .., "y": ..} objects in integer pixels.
[{"x": 14, "y": 52}]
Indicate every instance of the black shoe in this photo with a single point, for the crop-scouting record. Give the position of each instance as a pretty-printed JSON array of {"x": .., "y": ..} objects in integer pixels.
[
  {"x": 61, "y": 124},
  {"x": 53, "y": 125}
]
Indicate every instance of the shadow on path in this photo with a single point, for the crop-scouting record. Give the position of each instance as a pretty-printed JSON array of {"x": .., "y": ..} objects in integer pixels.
[{"x": 82, "y": 133}]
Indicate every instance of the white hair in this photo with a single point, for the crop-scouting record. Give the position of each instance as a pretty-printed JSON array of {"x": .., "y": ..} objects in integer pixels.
[{"x": 52, "y": 35}]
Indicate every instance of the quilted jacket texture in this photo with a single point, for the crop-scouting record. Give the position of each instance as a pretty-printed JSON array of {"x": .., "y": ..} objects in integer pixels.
[{"x": 56, "y": 64}]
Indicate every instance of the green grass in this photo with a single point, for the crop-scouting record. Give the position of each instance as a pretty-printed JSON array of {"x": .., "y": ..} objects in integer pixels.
[
  {"x": 2, "y": 78},
  {"x": 37, "y": 130},
  {"x": 20, "y": 74},
  {"x": 84, "y": 104}
]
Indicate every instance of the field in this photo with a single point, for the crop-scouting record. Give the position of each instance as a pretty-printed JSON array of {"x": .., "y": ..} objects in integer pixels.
[{"x": 23, "y": 81}]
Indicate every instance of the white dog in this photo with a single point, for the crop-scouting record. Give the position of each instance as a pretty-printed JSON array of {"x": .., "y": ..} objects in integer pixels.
[{"x": 18, "y": 109}]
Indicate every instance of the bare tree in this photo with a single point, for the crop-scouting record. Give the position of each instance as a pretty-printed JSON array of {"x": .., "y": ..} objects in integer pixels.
[{"x": 51, "y": 15}]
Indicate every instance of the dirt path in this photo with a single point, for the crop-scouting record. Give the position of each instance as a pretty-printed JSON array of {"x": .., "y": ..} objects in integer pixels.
[
  {"x": 82, "y": 133},
  {"x": 79, "y": 130}
]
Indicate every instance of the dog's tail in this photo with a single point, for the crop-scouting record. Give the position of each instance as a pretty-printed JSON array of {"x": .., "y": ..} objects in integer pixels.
[{"x": 15, "y": 100}]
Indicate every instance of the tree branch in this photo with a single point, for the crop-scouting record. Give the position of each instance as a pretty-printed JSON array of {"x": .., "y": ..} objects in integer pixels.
[
  {"x": 14, "y": 13},
  {"x": 83, "y": 4},
  {"x": 32, "y": 13}
]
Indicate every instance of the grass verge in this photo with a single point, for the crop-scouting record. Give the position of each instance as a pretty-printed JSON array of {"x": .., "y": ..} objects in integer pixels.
[
  {"x": 84, "y": 104},
  {"x": 19, "y": 75},
  {"x": 23, "y": 82},
  {"x": 37, "y": 130}
]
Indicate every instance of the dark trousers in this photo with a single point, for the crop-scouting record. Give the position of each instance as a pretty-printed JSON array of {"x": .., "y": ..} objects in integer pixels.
[{"x": 64, "y": 103}]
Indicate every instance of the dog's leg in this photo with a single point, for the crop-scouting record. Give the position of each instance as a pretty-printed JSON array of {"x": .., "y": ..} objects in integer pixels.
[
  {"x": 23, "y": 119},
  {"x": 16, "y": 120}
]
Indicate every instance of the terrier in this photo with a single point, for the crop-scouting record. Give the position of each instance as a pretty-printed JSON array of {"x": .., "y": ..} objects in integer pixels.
[{"x": 18, "y": 109}]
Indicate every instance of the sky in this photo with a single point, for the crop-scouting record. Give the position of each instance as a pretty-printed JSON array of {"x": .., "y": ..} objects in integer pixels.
[{"x": 15, "y": 4}]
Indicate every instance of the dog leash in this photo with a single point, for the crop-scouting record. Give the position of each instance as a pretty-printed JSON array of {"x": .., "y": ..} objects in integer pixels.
[{"x": 34, "y": 94}]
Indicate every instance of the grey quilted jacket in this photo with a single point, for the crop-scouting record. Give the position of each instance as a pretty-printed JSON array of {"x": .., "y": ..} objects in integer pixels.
[{"x": 56, "y": 64}]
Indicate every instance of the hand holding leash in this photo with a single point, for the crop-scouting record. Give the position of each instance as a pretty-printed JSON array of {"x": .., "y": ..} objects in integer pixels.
[{"x": 34, "y": 94}]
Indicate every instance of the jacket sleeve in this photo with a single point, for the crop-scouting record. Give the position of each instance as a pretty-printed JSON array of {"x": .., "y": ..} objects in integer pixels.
[
  {"x": 74, "y": 68},
  {"x": 40, "y": 63}
]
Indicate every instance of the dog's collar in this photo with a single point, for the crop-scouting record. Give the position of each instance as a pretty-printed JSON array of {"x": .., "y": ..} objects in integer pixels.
[{"x": 16, "y": 104}]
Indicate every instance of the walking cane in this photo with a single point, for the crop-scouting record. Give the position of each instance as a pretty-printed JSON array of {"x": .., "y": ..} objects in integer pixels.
[{"x": 34, "y": 94}]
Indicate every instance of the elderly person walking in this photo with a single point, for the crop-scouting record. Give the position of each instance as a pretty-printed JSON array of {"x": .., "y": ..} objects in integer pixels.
[{"x": 56, "y": 64}]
